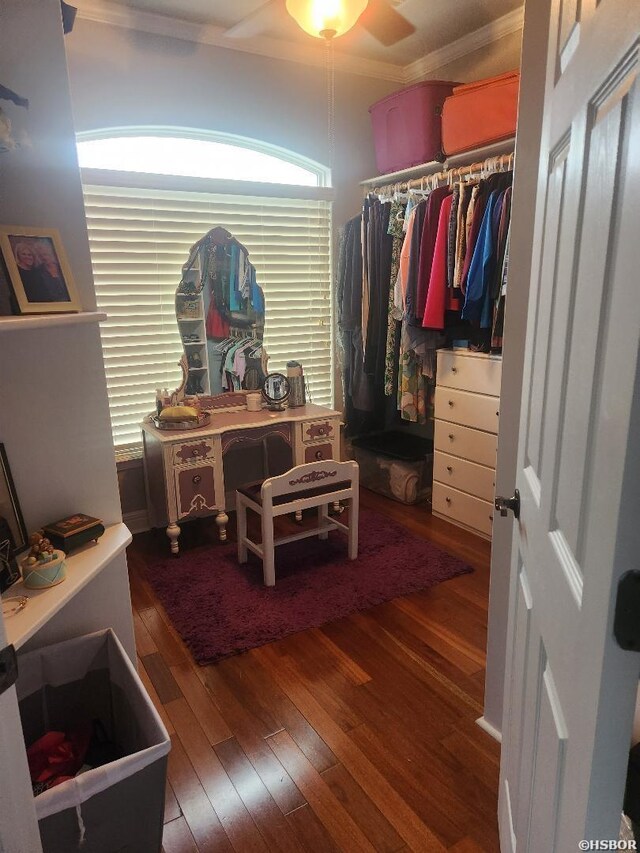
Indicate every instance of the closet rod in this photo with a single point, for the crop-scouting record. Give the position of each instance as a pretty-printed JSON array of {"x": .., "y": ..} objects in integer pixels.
[{"x": 501, "y": 163}]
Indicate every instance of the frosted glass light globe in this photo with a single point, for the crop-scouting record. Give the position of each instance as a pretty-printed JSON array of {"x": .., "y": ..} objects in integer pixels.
[{"x": 326, "y": 18}]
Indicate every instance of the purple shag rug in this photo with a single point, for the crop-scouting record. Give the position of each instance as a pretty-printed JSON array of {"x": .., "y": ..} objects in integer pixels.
[{"x": 221, "y": 608}]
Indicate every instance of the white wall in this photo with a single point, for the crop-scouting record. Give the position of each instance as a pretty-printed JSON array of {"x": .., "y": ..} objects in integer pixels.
[
  {"x": 53, "y": 403},
  {"x": 488, "y": 61},
  {"x": 124, "y": 77}
]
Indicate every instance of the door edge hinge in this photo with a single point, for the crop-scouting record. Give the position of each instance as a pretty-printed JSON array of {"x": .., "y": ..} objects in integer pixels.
[{"x": 626, "y": 620}]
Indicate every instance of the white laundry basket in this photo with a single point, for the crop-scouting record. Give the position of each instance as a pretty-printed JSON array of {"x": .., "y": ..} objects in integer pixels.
[{"x": 120, "y": 805}]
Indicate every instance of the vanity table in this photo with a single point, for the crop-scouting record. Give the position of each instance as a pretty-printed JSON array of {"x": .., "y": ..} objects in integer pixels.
[{"x": 195, "y": 473}]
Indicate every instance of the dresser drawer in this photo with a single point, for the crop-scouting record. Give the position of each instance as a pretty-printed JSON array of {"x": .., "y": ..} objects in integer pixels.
[
  {"x": 467, "y": 443},
  {"x": 315, "y": 430},
  {"x": 466, "y": 509},
  {"x": 469, "y": 372},
  {"x": 195, "y": 490},
  {"x": 318, "y": 452},
  {"x": 192, "y": 451},
  {"x": 466, "y": 476},
  {"x": 464, "y": 407}
]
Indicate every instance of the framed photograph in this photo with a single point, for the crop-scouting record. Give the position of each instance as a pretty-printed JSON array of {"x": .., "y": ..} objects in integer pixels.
[
  {"x": 9, "y": 507},
  {"x": 38, "y": 270}
]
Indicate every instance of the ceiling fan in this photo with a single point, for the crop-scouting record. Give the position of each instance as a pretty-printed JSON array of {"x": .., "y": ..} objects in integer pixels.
[{"x": 379, "y": 18}]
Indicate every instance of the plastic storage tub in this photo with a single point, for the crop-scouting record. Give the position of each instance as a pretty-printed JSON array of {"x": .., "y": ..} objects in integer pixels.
[
  {"x": 395, "y": 464},
  {"x": 120, "y": 805},
  {"x": 407, "y": 126},
  {"x": 481, "y": 113}
]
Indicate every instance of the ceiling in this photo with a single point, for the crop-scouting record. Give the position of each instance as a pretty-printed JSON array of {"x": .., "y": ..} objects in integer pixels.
[{"x": 437, "y": 22}]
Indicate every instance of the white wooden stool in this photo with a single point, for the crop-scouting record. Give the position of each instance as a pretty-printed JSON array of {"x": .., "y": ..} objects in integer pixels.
[{"x": 317, "y": 484}]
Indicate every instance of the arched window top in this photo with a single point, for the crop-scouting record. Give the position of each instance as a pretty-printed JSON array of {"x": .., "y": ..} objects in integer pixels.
[{"x": 196, "y": 154}]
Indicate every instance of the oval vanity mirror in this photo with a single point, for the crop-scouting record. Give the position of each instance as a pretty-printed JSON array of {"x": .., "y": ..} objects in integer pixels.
[
  {"x": 220, "y": 311},
  {"x": 276, "y": 390}
]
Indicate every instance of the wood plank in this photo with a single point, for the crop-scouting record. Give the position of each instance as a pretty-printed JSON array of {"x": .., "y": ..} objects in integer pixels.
[
  {"x": 310, "y": 832},
  {"x": 161, "y": 678},
  {"x": 201, "y": 703},
  {"x": 344, "y": 663},
  {"x": 144, "y": 640},
  {"x": 273, "y": 825},
  {"x": 388, "y": 801},
  {"x": 196, "y": 807},
  {"x": 168, "y": 645},
  {"x": 333, "y": 816},
  {"x": 285, "y": 712},
  {"x": 468, "y": 845},
  {"x": 372, "y": 822},
  {"x": 141, "y": 594},
  {"x": 234, "y": 817},
  {"x": 171, "y": 808},
  {"x": 480, "y": 762},
  {"x": 151, "y": 690},
  {"x": 249, "y": 734},
  {"x": 176, "y": 837}
]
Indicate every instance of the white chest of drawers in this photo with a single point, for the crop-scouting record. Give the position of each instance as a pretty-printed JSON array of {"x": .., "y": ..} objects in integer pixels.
[{"x": 467, "y": 410}]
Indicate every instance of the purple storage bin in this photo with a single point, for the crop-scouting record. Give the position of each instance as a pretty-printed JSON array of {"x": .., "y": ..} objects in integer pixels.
[{"x": 407, "y": 125}]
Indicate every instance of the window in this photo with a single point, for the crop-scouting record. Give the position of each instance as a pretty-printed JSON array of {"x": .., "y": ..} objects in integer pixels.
[{"x": 141, "y": 227}]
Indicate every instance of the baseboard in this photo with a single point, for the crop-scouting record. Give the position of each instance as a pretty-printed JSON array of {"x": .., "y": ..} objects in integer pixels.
[
  {"x": 138, "y": 521},
  {"x": 489, "y": 729}
]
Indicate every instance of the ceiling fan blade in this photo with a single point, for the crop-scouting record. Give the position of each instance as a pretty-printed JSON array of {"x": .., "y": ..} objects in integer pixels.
[
  {"x": 384, "y": 23},
  {"x": 254, "y": 23}
]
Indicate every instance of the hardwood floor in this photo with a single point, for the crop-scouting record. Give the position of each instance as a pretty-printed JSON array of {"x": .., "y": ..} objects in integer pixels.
[{"x": 357, "y": 736}]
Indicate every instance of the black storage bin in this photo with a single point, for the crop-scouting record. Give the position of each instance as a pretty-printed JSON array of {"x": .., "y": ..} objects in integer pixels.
[
  {"x": 396, "y": 464},
  {"x": 118, "y": 806}
]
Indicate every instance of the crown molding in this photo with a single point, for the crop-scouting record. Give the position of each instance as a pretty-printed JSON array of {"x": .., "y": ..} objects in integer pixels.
[
  {"x": 491, "y": 32},
  {"x": 114, "y": 14},
  {"x": 105, "y": 12}
]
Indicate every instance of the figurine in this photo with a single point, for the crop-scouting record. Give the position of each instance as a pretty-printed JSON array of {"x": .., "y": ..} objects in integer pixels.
[{"x": 42, "y": 550}]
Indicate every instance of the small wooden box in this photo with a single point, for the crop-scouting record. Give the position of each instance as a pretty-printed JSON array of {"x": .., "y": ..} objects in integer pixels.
[{"x": 72, "y": 532}]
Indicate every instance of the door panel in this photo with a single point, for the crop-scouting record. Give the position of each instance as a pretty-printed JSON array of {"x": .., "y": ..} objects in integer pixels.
[{"x": 571, "y": 689}]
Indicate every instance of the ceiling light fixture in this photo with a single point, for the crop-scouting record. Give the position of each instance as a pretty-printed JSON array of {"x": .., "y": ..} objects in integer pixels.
[{"x": 326, "y": 19}]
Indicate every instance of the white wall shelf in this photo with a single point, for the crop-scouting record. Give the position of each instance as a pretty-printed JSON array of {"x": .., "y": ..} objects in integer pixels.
[
  {"x": 82, "y": 567},
  {"x": 425, "y": 169},
  {"x": 48, "y": 321}
]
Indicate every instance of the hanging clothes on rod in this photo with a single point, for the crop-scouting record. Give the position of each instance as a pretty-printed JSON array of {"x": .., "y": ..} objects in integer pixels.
[{"x": 434, "y": 254}]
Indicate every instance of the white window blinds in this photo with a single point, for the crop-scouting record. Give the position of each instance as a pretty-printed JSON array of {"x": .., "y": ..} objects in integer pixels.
[{"x": 139, "y": 240}]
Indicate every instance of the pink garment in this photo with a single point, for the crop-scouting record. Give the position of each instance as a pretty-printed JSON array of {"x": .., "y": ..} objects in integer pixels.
[
  {"x": 400, "y": 289},
  {"x": 438, "y": 300}
]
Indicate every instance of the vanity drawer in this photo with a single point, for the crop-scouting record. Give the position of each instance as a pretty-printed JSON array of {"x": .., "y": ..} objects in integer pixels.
[
  {"x": 315, "y": 430},
  {"x": 466, "y": 408},
  {"x": 467, "y": 443},
  {"x": 470, "y": 372},
  {"x": 464, "y": 475},
  {"x": 191, "y": 451},
  {"x": 195, "y": 490},
  {"x": 318, "y": 452},
  {"x": 466, "y": 509}
]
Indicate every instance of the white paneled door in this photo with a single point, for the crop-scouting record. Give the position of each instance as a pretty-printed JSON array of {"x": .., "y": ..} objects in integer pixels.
[{"x": 570, "y": 689}]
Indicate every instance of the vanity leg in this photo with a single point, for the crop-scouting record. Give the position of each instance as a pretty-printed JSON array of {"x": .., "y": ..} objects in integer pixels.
[
  {"x": 323, "y": 518},
  {"x": 222, "y": 519},
  {"x": 173, "y": 532}
]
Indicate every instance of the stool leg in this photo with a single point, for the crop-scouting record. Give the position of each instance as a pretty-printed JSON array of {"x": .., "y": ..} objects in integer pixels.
[
  {"x": 268, "y": 556},
  {"x": 241, "y": 511},
  {"x": 323, "y": 517},
  {"x": 353, "y": 526}
]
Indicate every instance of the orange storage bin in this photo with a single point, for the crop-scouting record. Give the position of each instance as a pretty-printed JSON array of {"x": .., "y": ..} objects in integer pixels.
[{"x": 480, "y": 113}]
